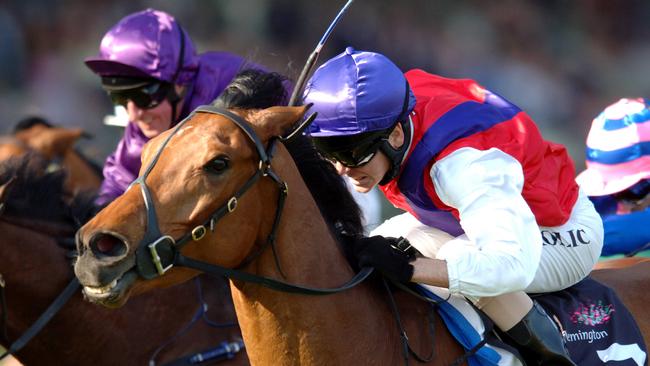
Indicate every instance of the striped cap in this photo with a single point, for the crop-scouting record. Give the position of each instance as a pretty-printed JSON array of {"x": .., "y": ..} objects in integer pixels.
[{"x": 618, "y": 148}]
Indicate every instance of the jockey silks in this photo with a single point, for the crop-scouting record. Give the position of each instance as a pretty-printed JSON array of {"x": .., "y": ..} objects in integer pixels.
[{"x": 453, "y": 114}]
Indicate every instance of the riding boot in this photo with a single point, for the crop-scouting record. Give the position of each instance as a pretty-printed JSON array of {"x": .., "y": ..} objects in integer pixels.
[{"x": 538, "y": 339}]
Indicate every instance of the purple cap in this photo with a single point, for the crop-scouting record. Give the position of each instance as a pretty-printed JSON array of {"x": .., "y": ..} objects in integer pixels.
[
  {"x": 357, "y": 92},
  {"x": 146, "y": 44}
]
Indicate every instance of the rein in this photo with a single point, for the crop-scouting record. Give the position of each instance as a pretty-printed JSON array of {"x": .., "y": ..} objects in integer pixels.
[
  {"x": 41, "y": 322},
  {"x": 157, "y": 253},
  {"x": 47, "y": 315}
]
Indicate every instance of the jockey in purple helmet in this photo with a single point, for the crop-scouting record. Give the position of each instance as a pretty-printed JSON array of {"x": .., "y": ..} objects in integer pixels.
[
  {"x": 463, "y": 160},
  {"x": 617, "y": 178},
  {"x": 149, "y": 65}
]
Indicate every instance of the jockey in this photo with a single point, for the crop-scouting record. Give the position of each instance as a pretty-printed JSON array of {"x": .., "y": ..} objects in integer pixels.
[
  {"x": 149, "y": 65},
  {"x": 617, "y": 178},
  {"x": 464, "y": 160}
]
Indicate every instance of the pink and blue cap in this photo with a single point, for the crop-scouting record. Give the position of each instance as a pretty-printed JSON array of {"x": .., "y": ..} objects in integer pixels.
[
  {"x": 618, "y": 148},
  {"x": 357, "y": 92},
  {"x": 146, "y": 44}
]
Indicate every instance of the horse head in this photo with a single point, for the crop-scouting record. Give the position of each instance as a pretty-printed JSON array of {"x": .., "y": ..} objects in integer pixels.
[
  {"x": 55, "y": 145},
  {"x": 51, "y": 142},
  {"x": 189, "y": 173}
]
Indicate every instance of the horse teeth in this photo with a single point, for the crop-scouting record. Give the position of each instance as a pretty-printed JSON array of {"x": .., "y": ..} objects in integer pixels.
[{"x": 102, "y": 289}]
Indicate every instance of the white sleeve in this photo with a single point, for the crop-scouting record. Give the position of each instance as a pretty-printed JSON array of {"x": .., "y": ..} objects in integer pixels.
[{"x": 485, "y": 187}]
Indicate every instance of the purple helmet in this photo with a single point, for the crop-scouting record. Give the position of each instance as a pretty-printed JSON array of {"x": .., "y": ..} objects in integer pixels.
[
  {"x": 357, "y": 92},
  {"x": 146, "y": 44}
]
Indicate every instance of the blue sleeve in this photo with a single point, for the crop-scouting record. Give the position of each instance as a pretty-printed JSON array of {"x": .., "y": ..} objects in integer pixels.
[{"x": 625, "y": 233}]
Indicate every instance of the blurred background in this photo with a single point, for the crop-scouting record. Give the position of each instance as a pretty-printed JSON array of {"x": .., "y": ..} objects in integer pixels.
[{"x": 561, "y": 61}]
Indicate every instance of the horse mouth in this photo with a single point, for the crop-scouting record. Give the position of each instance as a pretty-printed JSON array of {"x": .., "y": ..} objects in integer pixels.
[{"x": 113, "y": 294}]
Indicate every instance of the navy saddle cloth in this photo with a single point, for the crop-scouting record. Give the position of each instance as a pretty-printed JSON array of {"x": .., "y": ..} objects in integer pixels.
[{"x": 597, "y": 327}]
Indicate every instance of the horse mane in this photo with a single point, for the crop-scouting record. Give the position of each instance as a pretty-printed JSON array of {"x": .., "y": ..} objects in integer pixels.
[
  {"x": 255, "y": 89},
  {"x": 38, "y": 193}
]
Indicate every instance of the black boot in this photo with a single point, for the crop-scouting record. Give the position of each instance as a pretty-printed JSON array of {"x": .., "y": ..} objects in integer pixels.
[{"x": 539, "y": 340}]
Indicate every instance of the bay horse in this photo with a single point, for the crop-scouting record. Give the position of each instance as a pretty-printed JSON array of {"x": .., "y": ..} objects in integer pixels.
[
  {"x": 207, "y": 159},
  {"x": 35, "y": 267},
  {"x": 200, "y": 168},
  {"x": 35, "y": 135}
]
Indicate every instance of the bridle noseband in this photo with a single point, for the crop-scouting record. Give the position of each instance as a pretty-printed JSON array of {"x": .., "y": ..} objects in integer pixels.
[{"x": 157, "y": 253}]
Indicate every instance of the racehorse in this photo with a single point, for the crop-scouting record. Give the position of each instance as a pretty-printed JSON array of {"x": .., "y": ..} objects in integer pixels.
[
  {"x": 211, "y": 158},
  {"x": 35, "y": 266},
  {"x": 211, "y": 180},
  {"x": 56, "y": 144}
]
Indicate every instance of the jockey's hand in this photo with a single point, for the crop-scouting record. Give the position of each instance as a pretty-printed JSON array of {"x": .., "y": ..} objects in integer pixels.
[{"x": 383, "y": 254}]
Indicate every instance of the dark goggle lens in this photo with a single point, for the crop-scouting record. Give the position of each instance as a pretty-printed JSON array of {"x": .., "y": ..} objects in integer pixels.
[
  {"x": 635, "y": 193},
  {"x": 145, "y": 97},
  {"x": 355, "y": 157}
]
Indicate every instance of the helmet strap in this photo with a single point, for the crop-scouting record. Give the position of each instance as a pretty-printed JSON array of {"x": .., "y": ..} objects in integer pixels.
[{"x": 395, "y": 155}]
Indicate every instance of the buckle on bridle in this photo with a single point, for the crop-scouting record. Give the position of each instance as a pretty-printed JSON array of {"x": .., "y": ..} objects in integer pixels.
[
  {"x": 156, "y": 258},
  {"x": 198, "y": 232},
  {"x": 232, "y": 204}
]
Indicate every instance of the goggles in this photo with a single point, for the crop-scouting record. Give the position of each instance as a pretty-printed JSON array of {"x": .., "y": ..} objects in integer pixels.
[
  {"x": 351, "y": 151},
  {"x": 145, "y": 97},
  {"x": 635, "y": 193}
]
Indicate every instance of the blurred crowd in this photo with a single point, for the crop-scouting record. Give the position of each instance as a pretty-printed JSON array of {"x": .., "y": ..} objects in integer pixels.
[{"x": 562, "y": 61}]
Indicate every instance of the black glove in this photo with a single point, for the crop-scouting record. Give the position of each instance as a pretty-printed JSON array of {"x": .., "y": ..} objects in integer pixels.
[{"x": 382, "y": 254}]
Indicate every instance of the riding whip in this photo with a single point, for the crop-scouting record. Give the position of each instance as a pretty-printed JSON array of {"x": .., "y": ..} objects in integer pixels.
[
  {"x": 306, "y": 70},
  {"x": 311, "y": 61}
]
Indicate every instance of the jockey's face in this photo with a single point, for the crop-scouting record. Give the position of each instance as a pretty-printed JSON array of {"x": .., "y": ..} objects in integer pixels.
[
  {"x": 152, "y": 121},
  {"x": 368, "y": 175},
  {"x": 635, "y": 198},
  {"x": 629, "y": 206}
]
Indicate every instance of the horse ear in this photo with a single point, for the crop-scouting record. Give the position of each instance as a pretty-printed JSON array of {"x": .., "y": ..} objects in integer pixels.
[
  {"x": 50, "y": 141},
  {"x": 276, "y": 121}
]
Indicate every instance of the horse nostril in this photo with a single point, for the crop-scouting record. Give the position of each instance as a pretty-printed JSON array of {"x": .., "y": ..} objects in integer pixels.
[{"x": 107, "y": 245}]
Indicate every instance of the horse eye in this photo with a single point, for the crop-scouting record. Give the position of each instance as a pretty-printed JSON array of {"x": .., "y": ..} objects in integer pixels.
[{"x": 217, "y": 165}]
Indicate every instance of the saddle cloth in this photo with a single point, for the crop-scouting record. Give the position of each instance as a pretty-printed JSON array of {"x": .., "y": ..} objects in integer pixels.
[{"x": 597, "y": 327}]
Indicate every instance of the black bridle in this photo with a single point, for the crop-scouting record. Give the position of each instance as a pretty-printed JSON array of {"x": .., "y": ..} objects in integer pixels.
[{"x": 157, "y": 253}]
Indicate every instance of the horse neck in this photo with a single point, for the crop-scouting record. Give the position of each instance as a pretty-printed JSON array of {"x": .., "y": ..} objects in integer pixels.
[
  {"x": 44, "y": 227},
  {"x": 287, "y": 329},
  {"x": 34, "y": 270}
]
